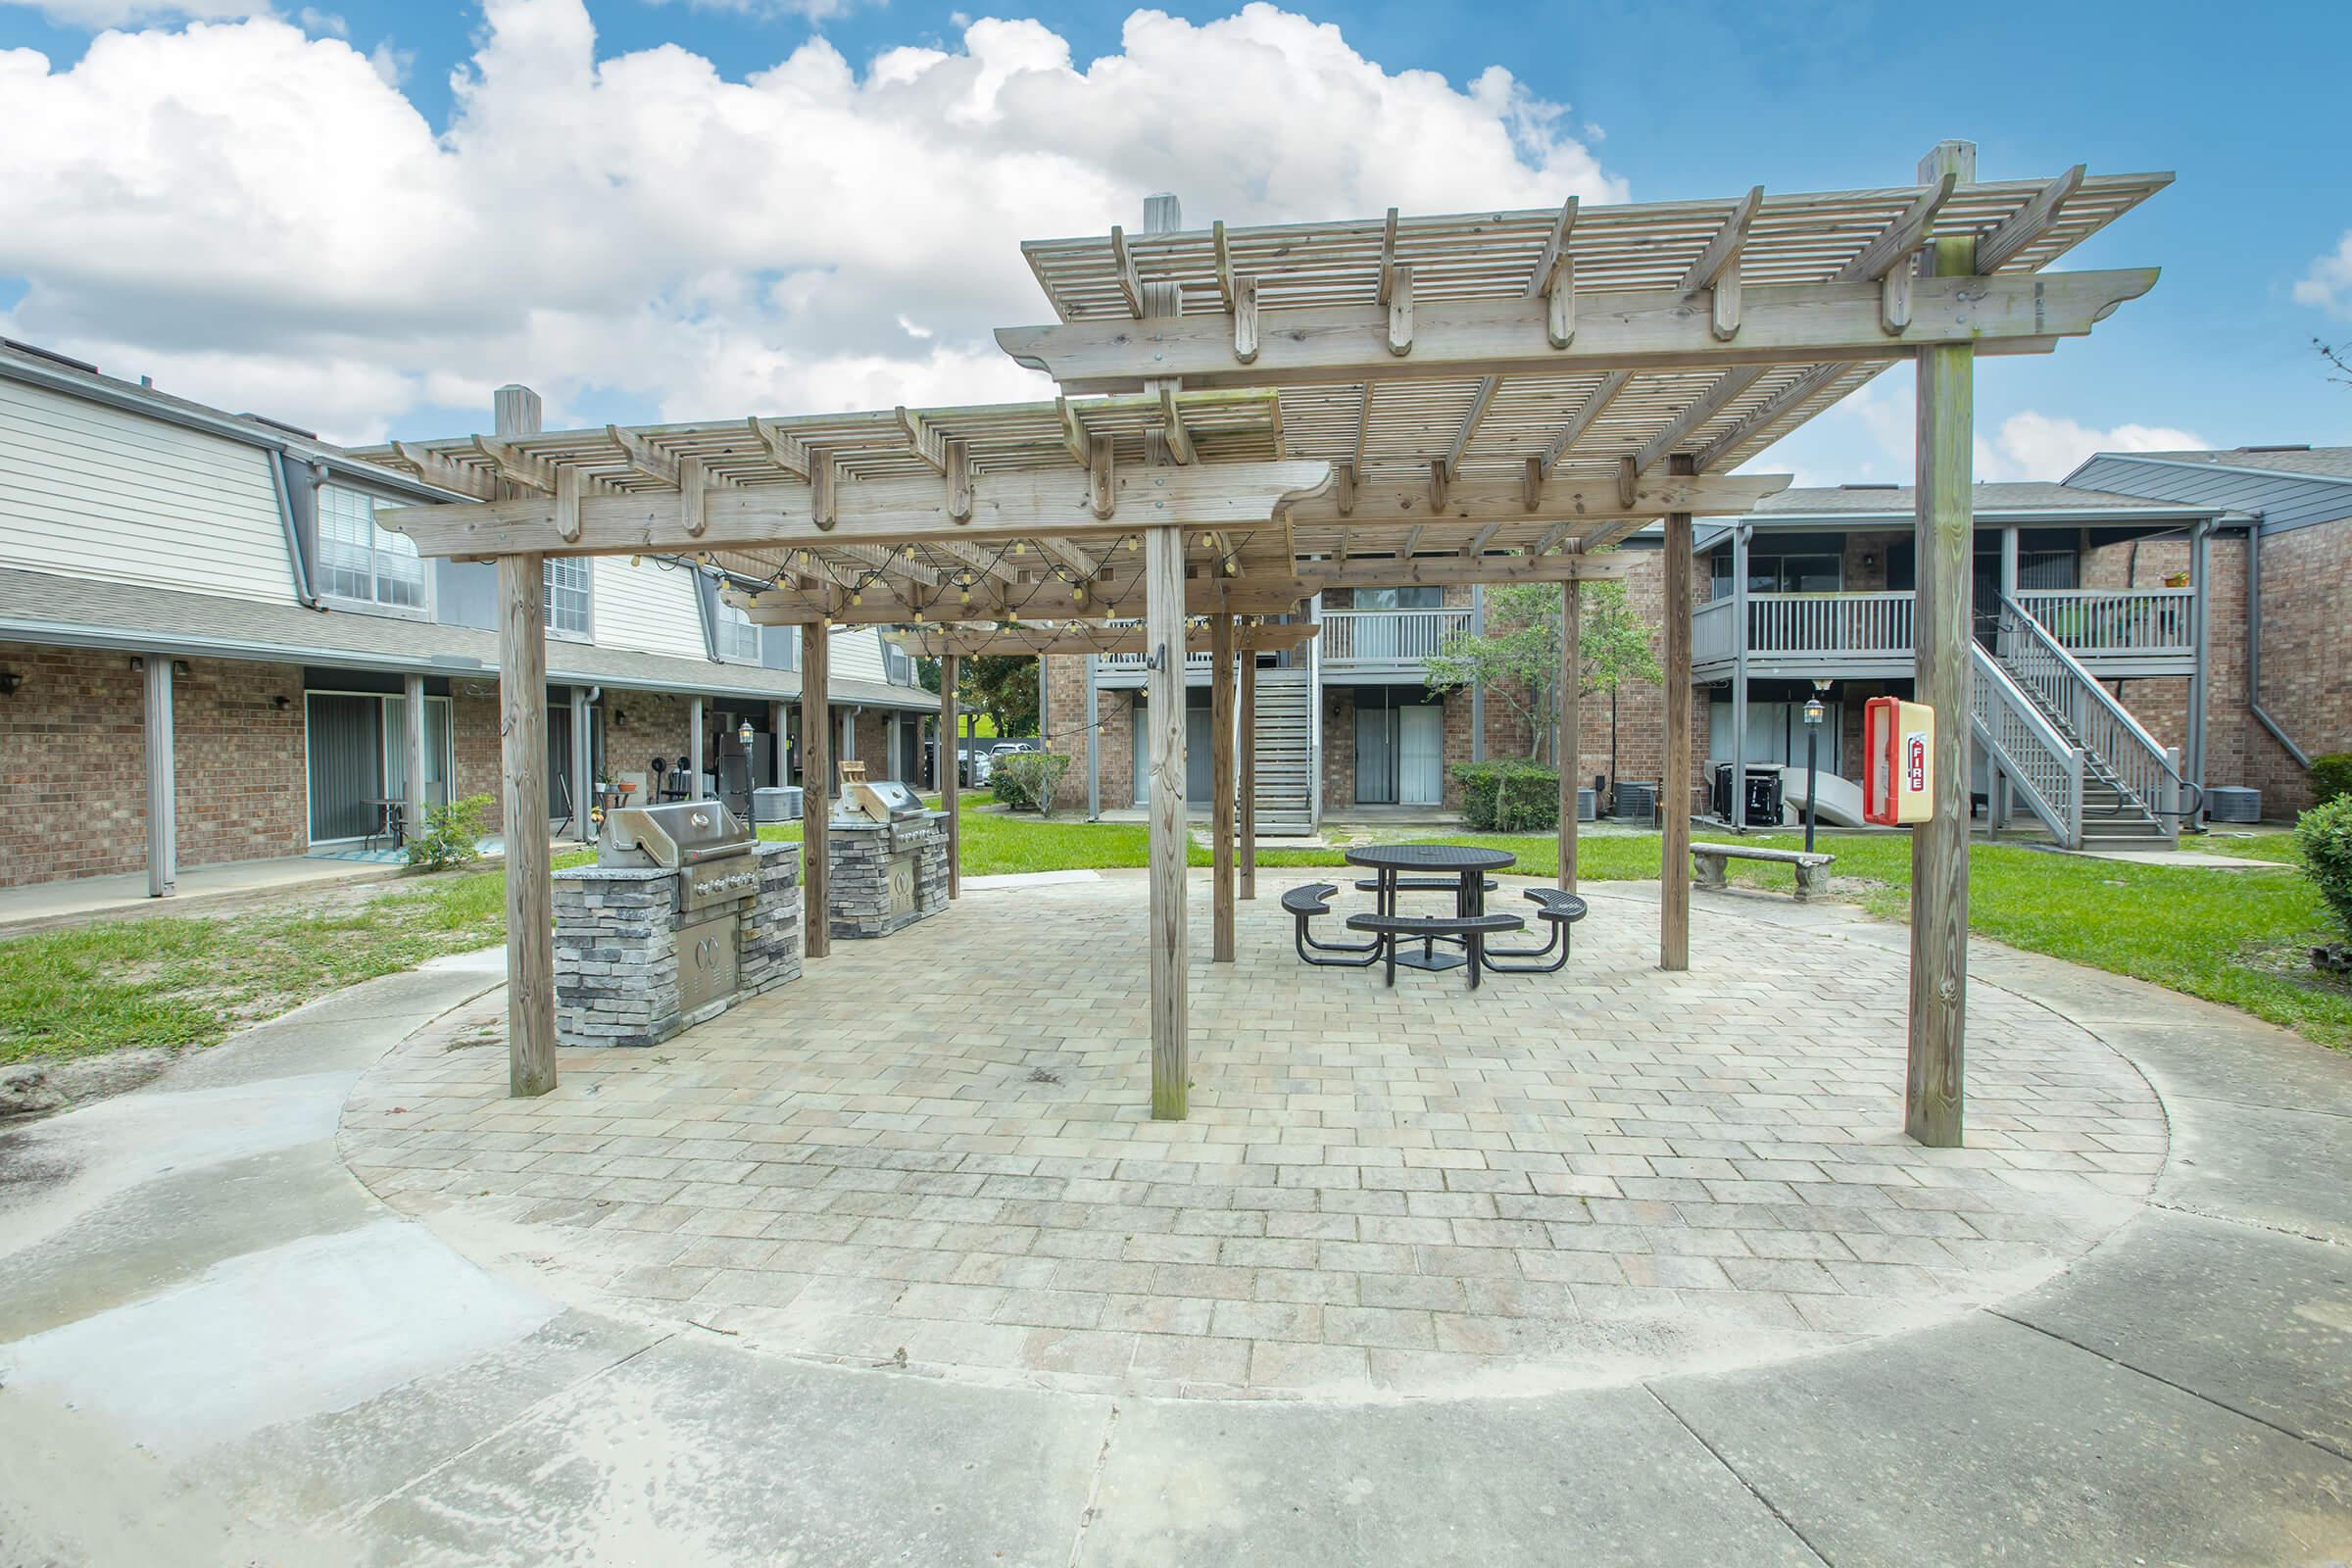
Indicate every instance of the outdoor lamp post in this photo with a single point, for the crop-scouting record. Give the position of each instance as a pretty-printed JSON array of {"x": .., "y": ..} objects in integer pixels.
[
  {"x": 743, "y": 733},
  {"x": 1814, "y": 712}
]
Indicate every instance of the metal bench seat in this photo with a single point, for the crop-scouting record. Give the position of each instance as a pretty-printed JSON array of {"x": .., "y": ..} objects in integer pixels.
[
  {"x": 1423, "y": 884},
  {"x": 1303, "y": 904},
  {"x": 1471, "y": 930},
  {"x": 1560, "y": 911}
]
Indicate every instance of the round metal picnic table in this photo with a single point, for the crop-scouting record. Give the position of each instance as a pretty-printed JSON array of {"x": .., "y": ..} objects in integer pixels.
[{"x": 1470, "y": 865}]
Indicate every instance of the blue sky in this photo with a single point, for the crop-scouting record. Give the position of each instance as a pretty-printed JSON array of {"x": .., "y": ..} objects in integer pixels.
[{"x": 1671, "y": 100}]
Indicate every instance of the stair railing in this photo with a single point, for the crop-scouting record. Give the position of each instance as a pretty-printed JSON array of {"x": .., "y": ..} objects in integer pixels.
[
  {"x": 2044, "y": 764},
  {"x": 2145, "y": 772}
]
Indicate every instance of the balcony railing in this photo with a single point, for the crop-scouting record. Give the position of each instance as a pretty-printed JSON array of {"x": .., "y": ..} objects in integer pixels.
[
  {"x": 2146, "y": 624},
  {"x": 2128, "y": 623},
  {"x": 1356, "y": 639}
]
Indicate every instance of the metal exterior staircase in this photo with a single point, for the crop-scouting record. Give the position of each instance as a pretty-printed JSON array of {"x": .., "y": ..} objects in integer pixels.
[
  {"x": 2078, "y": 759},
  {"x": 1285, "y": 710}
]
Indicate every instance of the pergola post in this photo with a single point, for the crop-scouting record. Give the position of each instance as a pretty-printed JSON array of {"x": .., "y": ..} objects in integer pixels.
[
  {"x": 1674, "y": 790},
  {"x": 411, "y": 750},
  {"x": 1220, "y": 785},
  {"x": 950, "y": 771},
  {"x": 523, "y": 764},
  {"x": 1164, "y": 615},
  {"x": 1740, "y": 640},
  {"x": 1567, "y": 747},
  {"x": 1247, "y": 741},
  {"x": 530, "y": 897},
  {"x": 163, "y": 781},
  {"x": 1943, "y": 622},
  {"x": 816, "y": 788}
]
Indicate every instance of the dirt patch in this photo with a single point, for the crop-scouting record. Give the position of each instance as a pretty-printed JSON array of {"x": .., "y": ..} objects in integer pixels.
[
  {"x": 59, "y": 1083},
  {"x": 2292, "y": 962}
]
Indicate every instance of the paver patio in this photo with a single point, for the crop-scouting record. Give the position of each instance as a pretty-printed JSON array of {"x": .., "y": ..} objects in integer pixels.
[{"x": 936, "y": 1149}]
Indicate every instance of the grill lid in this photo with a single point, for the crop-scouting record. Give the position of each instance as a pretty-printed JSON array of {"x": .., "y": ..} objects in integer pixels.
[
  {"x": 676, "y": 834},
  {"x": 881, "y": 800}
]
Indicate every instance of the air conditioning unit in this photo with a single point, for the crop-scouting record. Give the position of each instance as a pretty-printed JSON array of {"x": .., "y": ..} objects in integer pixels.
[
  {"x": 2233, "y": 803},
  {"x": 777, "y": 804},
  {"x": 1636, "y": 802},
  {"x": 1585, "y": 803}
]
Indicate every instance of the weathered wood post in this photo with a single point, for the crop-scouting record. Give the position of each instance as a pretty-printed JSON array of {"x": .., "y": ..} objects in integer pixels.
[
  {"x": 523, "y": 764},
  {"x": 163, "y": 779},
  {"x": 1739, "y": 813},
  {"x": 1249, "y": 781},
  {"x": 1673, "y": 792},
  {"x": 1943, "y": 622},
  {"x": 1163, "y": 635},
  {"x": 1567, "y": 747},
  {"x": 530, "y": 895},
  {"x": 950, "y": 771},
  {"x": 816, "y": 788},
  {"x": 411, "y": 752},
  {"x": 1220, "y": 785}
]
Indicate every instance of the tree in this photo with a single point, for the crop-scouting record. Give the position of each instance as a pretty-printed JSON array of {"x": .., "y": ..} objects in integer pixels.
[
  {"x": 1003, "y": 686},
  {"x": 1517, "y": 658},
  {"x": 2338, "y": 358}
]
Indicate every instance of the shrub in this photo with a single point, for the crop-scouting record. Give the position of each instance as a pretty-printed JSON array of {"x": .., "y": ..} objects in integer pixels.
[
  {"x": 2324, "y": 836},
  {"x": 452, "y": 835},
  {"x": 1025, "y": 781},
  {"x": 1512, "y": 797},
  {"x": 2330, "y": 777}
]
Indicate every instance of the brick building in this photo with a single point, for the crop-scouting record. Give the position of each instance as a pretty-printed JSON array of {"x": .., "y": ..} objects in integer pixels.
[
  {"x": 232, "y": 565},
  {"x": 2128, "y": 589}
]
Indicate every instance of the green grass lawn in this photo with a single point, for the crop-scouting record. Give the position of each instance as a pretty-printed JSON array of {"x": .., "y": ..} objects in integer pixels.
[
  {"x": 190, "y": 980},
  {"x": 2231, "y": 937}
]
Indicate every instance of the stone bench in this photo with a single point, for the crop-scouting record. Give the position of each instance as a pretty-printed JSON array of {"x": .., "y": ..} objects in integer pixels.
[{"x": 1711, "y": 863}]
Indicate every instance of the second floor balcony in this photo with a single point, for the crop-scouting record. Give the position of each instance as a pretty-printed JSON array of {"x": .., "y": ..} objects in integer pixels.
[
  {"x": 2114, "y": 632},
  {"x": 1374, "y": 646}
]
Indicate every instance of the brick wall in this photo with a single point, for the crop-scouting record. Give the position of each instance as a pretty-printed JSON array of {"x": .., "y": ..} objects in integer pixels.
[
  {"x": 2306, "y": 604},
  {"x": 73, "y": 769},
  {"x": 243, "y": 793},
  {"x": 72, "y": 789}
]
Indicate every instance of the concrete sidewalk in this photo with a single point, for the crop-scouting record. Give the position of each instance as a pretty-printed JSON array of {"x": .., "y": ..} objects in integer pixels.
[{"x": 216, "y": 1347}]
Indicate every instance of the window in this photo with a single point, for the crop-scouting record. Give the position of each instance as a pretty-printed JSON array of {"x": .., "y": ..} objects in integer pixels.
[
  {"x": 1400, "y": 598},
  {"x": 738, "y": 638},
  {"x": 897, "y": 668},
  {"x": 360, "y": 562},
  {"x": 1789, "y": 563},
  {"x": 566, "y": 597}
]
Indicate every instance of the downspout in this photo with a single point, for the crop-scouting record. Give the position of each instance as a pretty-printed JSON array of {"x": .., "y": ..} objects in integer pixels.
[
  {"x": 1093, "y": 749},
  {"x": 297, "y": 563},
  {"x": 1478, "y": 687},
  {"x": 2254, "y": 647},
  {"x": 2200, "y": 697}
]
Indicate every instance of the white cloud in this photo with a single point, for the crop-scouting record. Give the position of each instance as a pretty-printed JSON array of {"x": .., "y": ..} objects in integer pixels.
[
  {"x": 2327, "y": 284},
  {"x": 260, "y": 217},
  {"x": 2041, "y": 446},
  {"x": 1870, "y": 438}
]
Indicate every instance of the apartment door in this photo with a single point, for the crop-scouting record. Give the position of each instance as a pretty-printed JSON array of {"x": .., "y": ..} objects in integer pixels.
[
  {"x": 346, "y": 758},
  {"x": 1195, "y": 753},
  {"x": 1420, "y": 754}
]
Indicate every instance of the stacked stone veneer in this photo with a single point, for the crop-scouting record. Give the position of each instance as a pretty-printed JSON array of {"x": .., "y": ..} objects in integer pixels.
[
  {"x": 617, "y": 948},
  {"x": 858, "y": 871}
]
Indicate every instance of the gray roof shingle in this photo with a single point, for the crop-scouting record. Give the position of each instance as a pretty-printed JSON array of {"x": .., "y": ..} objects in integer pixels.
[{"x": 40, "y": 607}]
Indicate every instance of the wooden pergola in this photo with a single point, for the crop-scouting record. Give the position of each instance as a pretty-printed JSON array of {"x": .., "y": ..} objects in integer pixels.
[{"x": 1254, "y": 416}]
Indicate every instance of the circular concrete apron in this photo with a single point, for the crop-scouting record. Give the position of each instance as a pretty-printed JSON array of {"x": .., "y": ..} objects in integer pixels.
[{"x": 934, "y": 1153}]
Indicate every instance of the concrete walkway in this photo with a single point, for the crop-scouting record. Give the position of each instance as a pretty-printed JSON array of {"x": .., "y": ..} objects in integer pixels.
[{"x": 216, "y": 1347}]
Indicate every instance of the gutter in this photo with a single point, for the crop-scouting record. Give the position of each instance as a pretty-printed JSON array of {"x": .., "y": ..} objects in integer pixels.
[{"x": 2254, "y": 706}]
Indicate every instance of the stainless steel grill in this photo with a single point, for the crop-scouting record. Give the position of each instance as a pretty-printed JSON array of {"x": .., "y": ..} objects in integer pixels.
[{"x": 718, "y": 875}]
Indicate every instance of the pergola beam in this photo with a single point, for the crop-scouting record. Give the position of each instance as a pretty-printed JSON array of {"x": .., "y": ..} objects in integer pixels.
[
  {"x": 1639, "y": 330},
  {"x": 2027, "y": 224},
  {"x": 1020, "y": 505},
  {"x": 1725, "y": 390},
  {"x": 1475, "y": 503}
]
